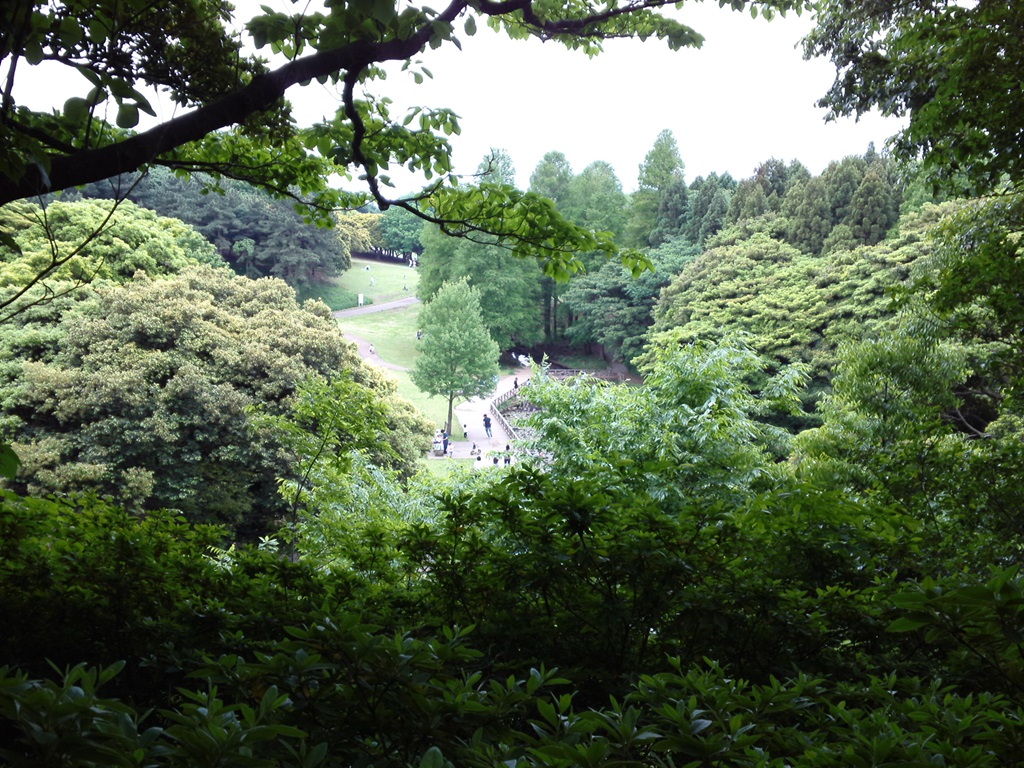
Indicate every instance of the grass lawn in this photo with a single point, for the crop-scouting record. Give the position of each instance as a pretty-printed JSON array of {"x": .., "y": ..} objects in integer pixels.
[
  {"x": 389, "y": 282},
  {"x": 331, "y": 294},
  {"x": 444, "y": 467},
  {"x": 393, "y": 335},
  {"x": 434, "y": 408}
]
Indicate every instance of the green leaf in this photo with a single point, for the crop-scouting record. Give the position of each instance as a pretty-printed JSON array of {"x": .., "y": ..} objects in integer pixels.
[
  {"x": 906, "y": 624},
  {"x": 9, "y": 460},
  {"x": 433, "y": 758}
]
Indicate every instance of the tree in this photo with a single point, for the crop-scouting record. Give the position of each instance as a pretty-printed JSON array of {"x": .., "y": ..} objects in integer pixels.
[
  {"x": 660, "y": 168},
  {"x": 809, "y": 214},
  {"x": 872, "y": 209},
  {"x": 709, "y": 203},
  {"x": 748, "y": 202},
  {"x": 596, "y": 199},
  {"x": 258, "y": 235},
  {"x": 953, "y": 68},
  {"x": 672, "y": 212},
  {"x": 359, "y": 232},
  {"x": 497, "y": 168},
  {"x": 68, "y": 244},
  {"x": 144, "y": 391},
  {"x": 612, "y": 308},
  {"x": 458, "y": 357},
  {"x": 551, "y": 178},
  {"x": 237, "y": 124},
  {"x": 841, "y": 182},
  {"x": 509, "y": 288},
  {"x": 791, "y": 305},
  {"x": 773, "y": 177},
  {"x": 400, "y": 231},
  {"x": 697, "y": 420}
]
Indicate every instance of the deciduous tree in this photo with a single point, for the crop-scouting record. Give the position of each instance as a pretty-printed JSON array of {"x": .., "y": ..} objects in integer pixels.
[
  {"x": 954, "y": 69},
  {"x": 458, "y": 359},
  {"x": 143, "y": 391}
]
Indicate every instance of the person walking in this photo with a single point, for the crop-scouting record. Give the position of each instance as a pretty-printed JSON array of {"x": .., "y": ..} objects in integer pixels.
[
  {"x": 487, "y": 425},
  {"x": 515, "y": 385},
  {"x": 508, "y": 454}
]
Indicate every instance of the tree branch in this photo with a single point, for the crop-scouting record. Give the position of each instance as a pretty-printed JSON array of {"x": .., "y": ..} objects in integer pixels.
[{"x": 259, "y": 95}]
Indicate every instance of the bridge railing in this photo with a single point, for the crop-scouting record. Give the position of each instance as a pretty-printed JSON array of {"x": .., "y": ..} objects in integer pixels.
[{"x": 498, "y": 416}]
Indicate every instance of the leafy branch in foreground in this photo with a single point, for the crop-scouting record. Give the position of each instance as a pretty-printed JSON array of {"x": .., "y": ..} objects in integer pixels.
[{"x": 239, "y": 125}]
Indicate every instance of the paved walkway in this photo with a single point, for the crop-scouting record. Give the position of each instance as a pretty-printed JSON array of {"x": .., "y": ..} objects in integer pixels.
[
  {"x": 469, "y": 414},
  {"x": 384, "y": 306}
]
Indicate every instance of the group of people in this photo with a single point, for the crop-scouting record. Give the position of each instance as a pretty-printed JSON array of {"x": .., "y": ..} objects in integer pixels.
[
  {"x": 442, "y": 445},
  {"x": 505, "y": 457},
  {"x": 441, "y": 441}
]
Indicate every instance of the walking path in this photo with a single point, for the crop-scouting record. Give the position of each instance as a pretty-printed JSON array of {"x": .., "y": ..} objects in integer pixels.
[
  {"x": 469, "y": 414},
  {"x": 384, "y": 306}
]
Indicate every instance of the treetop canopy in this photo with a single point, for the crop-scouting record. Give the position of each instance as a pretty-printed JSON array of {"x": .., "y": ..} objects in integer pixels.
[{"x": 238, "y": 124}]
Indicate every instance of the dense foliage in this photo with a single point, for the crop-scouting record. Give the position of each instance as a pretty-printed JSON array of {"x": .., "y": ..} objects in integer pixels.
[
  {"x": 258, "y": 235},
  {"x": 793, "y": 306},
  {"x": 142, "y": 391},
  {"x": 952, "y": 68},
  {"x": 713, "y": 590}
]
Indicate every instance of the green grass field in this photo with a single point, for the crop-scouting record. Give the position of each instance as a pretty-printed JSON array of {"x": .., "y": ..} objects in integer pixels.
[
  {"x": 390, "y": 282},
  {"x": 393, "y": 335}
]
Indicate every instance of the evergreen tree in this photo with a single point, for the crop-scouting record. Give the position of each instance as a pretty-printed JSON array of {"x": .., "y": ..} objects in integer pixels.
[
  {"x": 258, "y": 235},
  {"x": 708, "y": 207},
  {"x": 748, "y": 202},
  {"x": 458, "y": 356},
  {"x": 841, "y": 181},
  {"x": 772, "y": 175},
  {"x": 872, "y": 211},
  {"x": 796, "y": 174},
  {"x": 810, "y": 218},
  {"x": 672, "y": 212}
]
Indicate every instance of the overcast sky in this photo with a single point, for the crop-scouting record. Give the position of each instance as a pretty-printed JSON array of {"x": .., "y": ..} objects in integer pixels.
[{"x": 746, "y": 96}]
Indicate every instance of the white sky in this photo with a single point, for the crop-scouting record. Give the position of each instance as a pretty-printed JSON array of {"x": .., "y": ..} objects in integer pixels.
[{"x": 746, "y": 96}]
